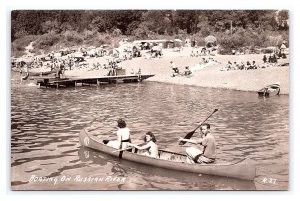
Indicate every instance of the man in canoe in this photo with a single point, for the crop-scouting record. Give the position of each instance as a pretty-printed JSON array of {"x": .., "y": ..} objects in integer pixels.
[
  {"x": 123, "y": 135},
  {"x": 208, "y": 152}
]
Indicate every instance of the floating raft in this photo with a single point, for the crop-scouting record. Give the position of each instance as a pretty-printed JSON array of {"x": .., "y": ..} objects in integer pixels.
[{"x": 73, "y": 82}]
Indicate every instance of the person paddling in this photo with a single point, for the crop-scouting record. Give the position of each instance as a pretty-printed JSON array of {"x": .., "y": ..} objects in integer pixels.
[
  {"x": 150, "y": 148},
  {"x": 208, "y": 152}
]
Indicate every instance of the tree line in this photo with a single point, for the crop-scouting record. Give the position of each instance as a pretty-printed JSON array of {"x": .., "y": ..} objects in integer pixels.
[{"x": 150, "y": 24}]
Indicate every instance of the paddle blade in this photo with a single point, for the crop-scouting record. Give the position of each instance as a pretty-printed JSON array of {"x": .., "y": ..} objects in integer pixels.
[{"x": 188, "y": 136}]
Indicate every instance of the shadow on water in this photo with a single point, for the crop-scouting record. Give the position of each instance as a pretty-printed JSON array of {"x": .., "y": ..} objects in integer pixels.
[{"x": 188, "y": 181}]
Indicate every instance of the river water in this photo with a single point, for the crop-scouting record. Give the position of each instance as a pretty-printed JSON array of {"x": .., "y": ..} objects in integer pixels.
[{"x": 45, "y": 123}]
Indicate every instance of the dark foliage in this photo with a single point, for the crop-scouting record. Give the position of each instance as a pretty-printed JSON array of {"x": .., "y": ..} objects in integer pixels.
[{"x": 233, "y": 28}]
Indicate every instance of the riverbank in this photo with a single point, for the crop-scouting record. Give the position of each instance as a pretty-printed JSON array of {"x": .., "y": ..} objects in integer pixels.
[{"x": 210, "y": 76}]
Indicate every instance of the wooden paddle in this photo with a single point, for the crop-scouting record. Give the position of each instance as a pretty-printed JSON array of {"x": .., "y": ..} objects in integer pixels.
[
  {"x": 118, "y": 150},
  {"x": 130, "y": 147},
  {"x": 190, "y": 134}
]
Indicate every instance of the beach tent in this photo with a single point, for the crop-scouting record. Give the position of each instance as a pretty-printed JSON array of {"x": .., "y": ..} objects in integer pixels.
[
  {"x": 177, "y": 43},
  {"x": 210, "y": 41},
  {"x": 114, "y": 53}
]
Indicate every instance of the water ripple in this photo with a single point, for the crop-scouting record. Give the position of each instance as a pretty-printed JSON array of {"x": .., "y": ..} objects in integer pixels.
[{"x": 45, "y": 124}]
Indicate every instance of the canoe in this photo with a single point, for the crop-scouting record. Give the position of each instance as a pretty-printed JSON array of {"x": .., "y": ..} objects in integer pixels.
[
  {"x": 87, "y": 155},
  {"x": 243, "y": 169},
  {"x": 270, "y": 90}
]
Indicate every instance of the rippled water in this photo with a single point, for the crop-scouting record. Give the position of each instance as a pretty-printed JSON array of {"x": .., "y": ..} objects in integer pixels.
[{"x": 45, "y": 124}]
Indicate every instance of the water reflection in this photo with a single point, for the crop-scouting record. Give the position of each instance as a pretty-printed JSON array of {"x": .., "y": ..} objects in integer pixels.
[
  {"x": 45, "y": 124},
  {"x": 162, "y": 179}
]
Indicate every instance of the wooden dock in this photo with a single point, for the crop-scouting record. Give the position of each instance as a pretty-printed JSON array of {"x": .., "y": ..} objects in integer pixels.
[{"x": 73, "y": 82}]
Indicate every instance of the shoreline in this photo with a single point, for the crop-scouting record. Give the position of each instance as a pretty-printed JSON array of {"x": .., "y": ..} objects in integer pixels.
[
  {"x": 209, "y": 77},
  {"x": 211, "y": 87}
]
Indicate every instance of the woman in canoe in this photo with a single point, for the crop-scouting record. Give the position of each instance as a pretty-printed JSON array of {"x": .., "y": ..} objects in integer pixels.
[
  {"x": 150, "y": 148},
  {"x": 123, "y": 135}
]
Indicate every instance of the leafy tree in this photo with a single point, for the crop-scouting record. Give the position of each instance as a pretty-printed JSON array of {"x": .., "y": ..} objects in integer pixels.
[
  {"x": 233, "y": 28},
  {"x": 49, "y": 26}
]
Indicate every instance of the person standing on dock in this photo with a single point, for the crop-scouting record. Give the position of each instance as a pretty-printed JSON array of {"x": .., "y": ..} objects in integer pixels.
[
  {"x": 60, "y": 71},
  {"x": 208, "y": 152}
]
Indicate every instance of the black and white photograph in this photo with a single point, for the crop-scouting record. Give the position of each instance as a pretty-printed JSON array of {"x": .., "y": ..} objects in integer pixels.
[{"x": 149, "y": 99}]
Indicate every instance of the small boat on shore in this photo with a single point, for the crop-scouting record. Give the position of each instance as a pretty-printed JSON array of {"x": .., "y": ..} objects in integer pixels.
[
  {"x": 35, "y": 73},
  {"x": 243, "y": 169},
  {"x": 42, "y": 73},
  {"x": 270, "y": 90}
]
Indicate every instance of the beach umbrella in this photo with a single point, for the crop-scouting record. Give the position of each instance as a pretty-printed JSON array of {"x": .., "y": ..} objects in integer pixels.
[{"x": 210, "y": 39}]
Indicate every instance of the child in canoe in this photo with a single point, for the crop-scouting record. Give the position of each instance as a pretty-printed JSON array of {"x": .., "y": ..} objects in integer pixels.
[{"x": 149, "y": 148}]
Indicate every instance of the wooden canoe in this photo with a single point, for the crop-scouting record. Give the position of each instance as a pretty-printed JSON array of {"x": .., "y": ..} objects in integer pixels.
[
  {"x": 243, "y": 169},
  {"x": 270, "y": 90}
]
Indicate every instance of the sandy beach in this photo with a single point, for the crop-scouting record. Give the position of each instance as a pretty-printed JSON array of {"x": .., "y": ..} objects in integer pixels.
[{"x": 210, "y": 76}]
